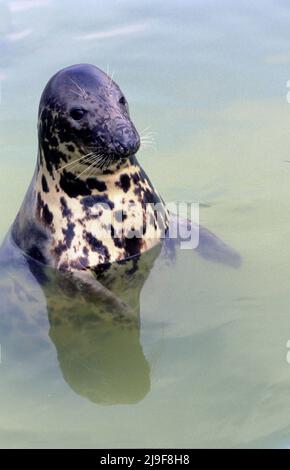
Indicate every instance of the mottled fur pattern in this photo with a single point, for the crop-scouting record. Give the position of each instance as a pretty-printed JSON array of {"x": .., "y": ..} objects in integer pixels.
[{"x": 88, "y": 191}]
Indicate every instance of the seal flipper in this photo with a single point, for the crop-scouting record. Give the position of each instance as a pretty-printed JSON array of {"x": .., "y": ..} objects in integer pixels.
[
  {"x": 214, "y": 249},
  {"x": 210, "y": 247},
  {"x": 90, "y": 287}
]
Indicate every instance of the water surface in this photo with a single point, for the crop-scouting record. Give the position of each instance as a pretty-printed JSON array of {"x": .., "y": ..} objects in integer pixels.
[{"x": 210, "y": 357}]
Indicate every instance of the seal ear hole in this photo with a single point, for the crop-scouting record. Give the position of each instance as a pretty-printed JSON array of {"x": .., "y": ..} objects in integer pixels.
[{"x": 77, "y": 113}]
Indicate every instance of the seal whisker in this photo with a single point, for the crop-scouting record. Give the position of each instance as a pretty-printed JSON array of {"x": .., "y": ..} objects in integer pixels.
[
  {"x": 77, "y": 165},
  {"x": 108, "y": 70},
  {"x": 147, "y": 145},
  {"x": 152, "y": 142},
  {"x": 108, "y": 162},
  {"x": 147, "y": 148},
  {"x": 76, "y": 160},
  {"x": 94, "y": 159},
  {"x": 101, "y": 161},
  {"x": 94, "y": 164},
  {"x": 87, "y": 160},
  {"x": 147, "y": 139},
  {"x": 111, "y": 81},
  {"x": 83, "y": 92},
  {"x": 147, "y": 133},
  {"x": 76, "y": 93},
  {"x": 85, "y": 170},
  {"x": 145, "y": 129},
  {"x": 112, "y": 76}
]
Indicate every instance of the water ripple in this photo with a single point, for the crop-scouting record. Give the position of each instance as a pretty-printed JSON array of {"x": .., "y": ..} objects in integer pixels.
[
  {"x": 24, "y": 5},
  {"x": 130, "y": 29}
]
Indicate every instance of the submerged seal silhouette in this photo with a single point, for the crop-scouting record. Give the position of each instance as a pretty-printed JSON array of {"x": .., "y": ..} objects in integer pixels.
[{"x": 89, "y": 203}]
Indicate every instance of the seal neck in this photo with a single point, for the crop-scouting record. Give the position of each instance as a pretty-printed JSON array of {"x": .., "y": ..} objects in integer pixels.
[
  {"x": 74, "y": 169},
  {"x": 128, "y": 181},
  {"x": 80, "y": 165}
]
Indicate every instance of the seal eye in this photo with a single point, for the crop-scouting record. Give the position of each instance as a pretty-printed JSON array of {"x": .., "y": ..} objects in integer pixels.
[
  {"x": 122, "y": 101},
  {"x": 77, "y": 113}
]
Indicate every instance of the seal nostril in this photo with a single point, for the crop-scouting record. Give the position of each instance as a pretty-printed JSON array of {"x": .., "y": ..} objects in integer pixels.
[
  {"x": 123, "y": 148},
  {"x": 101, "y": 139},
  {"x": 129, "y": 147}
]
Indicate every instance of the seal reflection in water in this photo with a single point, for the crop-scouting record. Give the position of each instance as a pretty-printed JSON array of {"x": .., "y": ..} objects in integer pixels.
[
  {"x": 97, "y": 337},
  {"x": 98, "y": 341}
]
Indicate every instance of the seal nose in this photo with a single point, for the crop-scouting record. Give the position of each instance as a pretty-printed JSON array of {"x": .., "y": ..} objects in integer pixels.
[{"x": 128, "y": 143}]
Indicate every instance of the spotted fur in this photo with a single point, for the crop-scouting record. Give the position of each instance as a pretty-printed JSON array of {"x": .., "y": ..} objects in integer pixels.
[{"x": 77, "y": 215}]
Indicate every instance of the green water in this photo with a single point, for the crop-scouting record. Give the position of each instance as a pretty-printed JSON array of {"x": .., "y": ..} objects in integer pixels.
[{"x": 210, "y": 79}]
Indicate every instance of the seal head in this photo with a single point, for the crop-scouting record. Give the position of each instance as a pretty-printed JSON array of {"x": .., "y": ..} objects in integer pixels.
[{"x": 83, "y": 112}]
